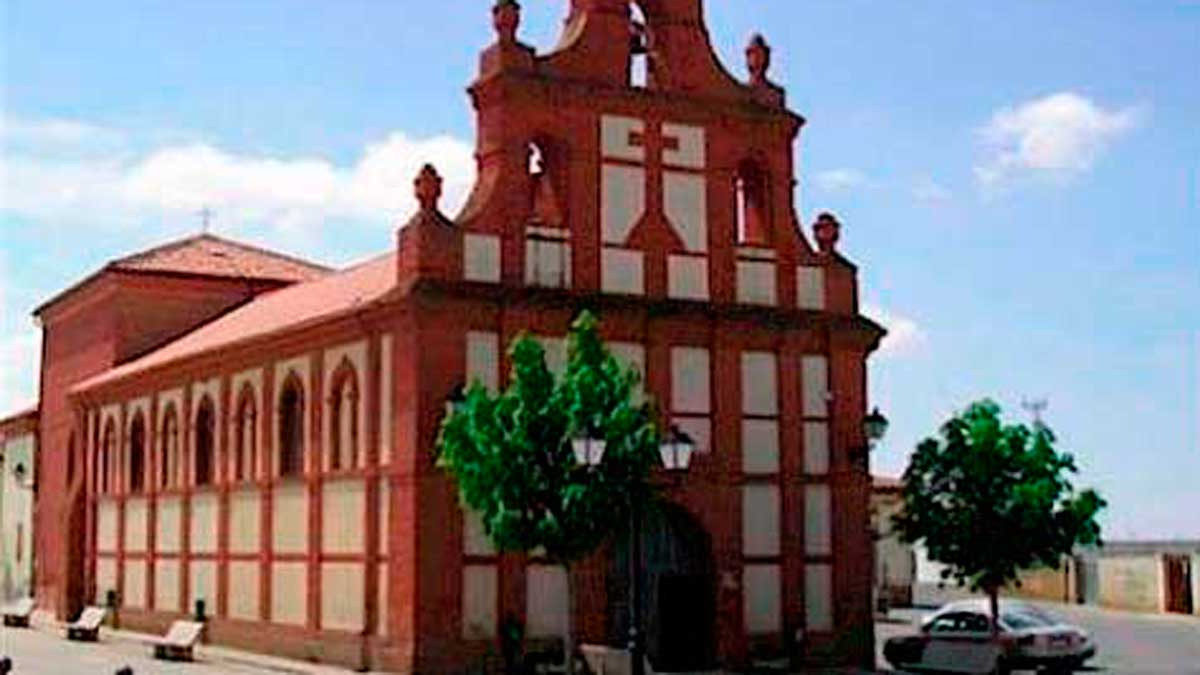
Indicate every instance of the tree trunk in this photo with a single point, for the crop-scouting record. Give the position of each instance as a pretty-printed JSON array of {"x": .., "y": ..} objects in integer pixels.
[
  {"x": 993, "y": 593},
  {"x": 569, "y": 642}
]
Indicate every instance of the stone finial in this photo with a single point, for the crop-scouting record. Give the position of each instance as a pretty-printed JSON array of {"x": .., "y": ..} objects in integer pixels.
[
  {"x": 758, "y": 59},
  {"x": 827, "y": 230},
  {"x": 428, "y": 188},
  {"x": 506, "y": 18}
]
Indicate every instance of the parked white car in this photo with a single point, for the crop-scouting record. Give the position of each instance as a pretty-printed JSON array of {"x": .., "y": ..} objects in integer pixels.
[{"x": 958, "y": 639}]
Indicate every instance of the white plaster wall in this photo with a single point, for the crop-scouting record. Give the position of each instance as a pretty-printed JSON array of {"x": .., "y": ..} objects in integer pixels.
[
  {"x": 483, "y": 359},
  {"x": 137, "y": 514},
  {"x": 385, "y": 509},
  {"x": 344, "y": 509},
  {"x": 761, "y": 594},
  {"x": 204, "y": 523},
  {"x": 615, "y": 134},
  {"x": 818, "y": 598},
  {"x": 140, "y": 405},
  {"x": 760, "y": 520},
  {"x": 631, "y": 355},
  {"x": 816, "y": 448},
  {"x": 135, "y": 584},
  {"x": 289, "y": 593},
  {"x": 290, "y": 519},
  {"x": 690, "y": 153},
  {"x": 756, "y": 282},
  {"x": 106, "y": 526},
  {"x": 166, "y": 586},
  {"x": 556, "y": 353},
  {"x": 699, "y": 428},
  {"x": 687, "y": 277},
  {"x": 686, "y": 205},
  {"x": 475, "y": 539},
  {"x": 622, "y": 271},
  {"x": 547, "y": 263},
  {"x": 243, "y": 590},
  {"x": 690, "y": 379},
  {"x": 479, "y": 597},
  {"x": 481, "y": 258},
  {"x": 810, "y": 287},
  {"x": 818, "y": 520},
  {"x": 382, "y": 600},
  {"x": 253, "y": 377},
  {"x": 343, "y": 596},
  {"x": 760, "y": 446},
  {"x": 212, "y": 389},
  {"x": 245, "y": 521},
  {"x": 815, "y": 386},
  {"x": 202, "y": 585},
  {"x": 1131, "y": 582},
  {"x": 623, "y": 201},
  {"x": 169, "y": 524},
  {"x": 546, "y": 601},
  {"x": 168, "y": 398},
  {"x": 385, "y": 400},
  {"x": 760, "y": 387},
  {"x": 356, "y": 354},
  {"x": 106, "y": 578}
]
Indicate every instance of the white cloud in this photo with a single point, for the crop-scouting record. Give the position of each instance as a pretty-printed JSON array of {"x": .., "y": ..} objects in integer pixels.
[
  {"x": 1056, "y": 136},
  {"x": 20, "y": 354},
  {"x": 839, "y": 180},
  {"x": 928, "y": 191},
  {"x": 290, "y": 195},
  {"x": 65, "y": 132},
  {"x": 905, "y": 336}
]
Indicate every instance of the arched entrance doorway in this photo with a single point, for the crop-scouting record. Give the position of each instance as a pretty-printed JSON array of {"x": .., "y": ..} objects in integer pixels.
[{"x": 678, "y": 591}]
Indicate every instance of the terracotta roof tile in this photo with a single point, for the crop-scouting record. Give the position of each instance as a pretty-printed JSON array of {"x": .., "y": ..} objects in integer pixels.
[
  {"x": 288, "y": 308},
  {"x": 213, "y": 256},
  {"x": 887, "y": 483}
]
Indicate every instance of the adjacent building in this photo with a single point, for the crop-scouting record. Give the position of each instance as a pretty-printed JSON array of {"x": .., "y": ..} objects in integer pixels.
[
  {"x": 229, "y": 425},
  {"x": 18, "y": 476},
  {"x": 895, "y": 560}
]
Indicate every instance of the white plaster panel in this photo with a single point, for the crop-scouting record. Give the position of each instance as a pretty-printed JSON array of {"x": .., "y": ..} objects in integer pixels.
[
  {"x": 106, "y": 526},
  {"x": 481, "y": 258},
  {"x": 290, "y": 519},
  {"x": 134, "y": 594},
  {"x": 355, "y": 354},
  {"x": 546, "y": 601},
  {"x": 690, "y": 152},
  {"x": 623, "y": 271},
  {"x": 687, "y": 277},
  {"x": 818, "y": 598},
  {"x": 816, "y": 448},
  {"x": 141, "y": 405},
  {"x": 245, "y": 521},
  {"x": 760, "y": 520},
  {"x": 623, "y": 201},
  {"x": 166, "y": 586},
  {"x": 685, "y": 202},
  {"x": 169, "y": 525},
  {"x": 483, "y": 359},
  {"x": 760, "y": 446},
  {"x": 479, "y": 597},
  {"x": 385, "y": 509},
  {"x": 810, "y": 287},
  {"x": 761, "y": 593},
  {"x": 106, "y": 578},
  {"x": 690, "y": 380},
  {"x": 815, "y": 385},
  {"x": 818, "y": 520},
  {"x": 302, "y": 367},
  {"x": 243, "y": 590},
  {"x": 385, "y": 400},
  {"x": 382, "y": 600},
  {"x": 616, "y": 138},
  {"x": 475, "y": 539},
  {"x": 137, "y": 519},
  {"x": 699, "y": 428},
  {"x": 289, "y": 593},
  {"x": 547, "y": 263},
  {"x": 171, "y": 397},
  {"x": 253, "y": 378},
  {"x": 756, "y": 282},
  {"x": 202, "y": 584},
  {"x": 556, "y": 353},
  {"x": 344, "y": 510},
  {"x": 631, "y": 355},
  {"x": 343, "y": 599},
  {"x": 204, "y": 523},
  {"x": 760, "y": 384},
  {"x": 212, "y": 389}
]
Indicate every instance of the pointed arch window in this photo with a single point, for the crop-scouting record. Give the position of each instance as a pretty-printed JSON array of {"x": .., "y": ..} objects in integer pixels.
[
  {"x": 137, "y": 454},
  {"x": 291, "y": 428},
  {"x": 547, "y": 245},
  {"x": 245, "y": 455},
  {"x": 753, "y": 205},
  {"x": 108, "y": 459},
  {"x": 344, "y": 420},
  {"x": 168, "y": 444},
  {"x": 639, "y": 49},
  {"x": 205, "y": 441}
]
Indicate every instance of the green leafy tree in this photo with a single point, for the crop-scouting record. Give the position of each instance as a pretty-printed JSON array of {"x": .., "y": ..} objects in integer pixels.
[
  {"x": 511, "y": 453},
  {"x": 989, "y": 499}
]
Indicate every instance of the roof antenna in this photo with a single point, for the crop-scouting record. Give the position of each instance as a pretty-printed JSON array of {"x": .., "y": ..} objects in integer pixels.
[
  {"x": 1035, "y": 407},
  {"x": 206, "y": 216}
]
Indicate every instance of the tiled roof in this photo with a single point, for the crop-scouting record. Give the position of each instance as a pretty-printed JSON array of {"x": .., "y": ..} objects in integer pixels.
[
  {"x": 886, "y": 483},
  {"x": 288, "y": 308},
  {"x": 209, "y": 255}
]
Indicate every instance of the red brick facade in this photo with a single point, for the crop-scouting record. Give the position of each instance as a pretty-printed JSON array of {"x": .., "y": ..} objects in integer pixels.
[{"x": 665, "y": 207}]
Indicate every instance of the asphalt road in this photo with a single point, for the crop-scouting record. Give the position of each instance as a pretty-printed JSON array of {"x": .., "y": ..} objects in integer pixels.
[{"x": 1129, "y": 644}]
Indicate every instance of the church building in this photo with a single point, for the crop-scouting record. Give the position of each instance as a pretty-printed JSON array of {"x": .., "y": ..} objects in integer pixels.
[{"x": 230, "y": 430}]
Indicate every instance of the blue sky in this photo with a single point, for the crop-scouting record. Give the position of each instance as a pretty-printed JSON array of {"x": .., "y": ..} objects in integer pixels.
[{"x": 1017, "y": 180}]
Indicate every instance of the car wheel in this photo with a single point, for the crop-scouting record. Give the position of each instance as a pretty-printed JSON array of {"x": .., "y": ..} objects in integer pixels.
[{"x": 1002, "y": 667}]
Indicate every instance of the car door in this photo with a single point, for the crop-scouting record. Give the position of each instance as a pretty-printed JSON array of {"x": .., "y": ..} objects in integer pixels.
[{"x": 960, "y": 642}]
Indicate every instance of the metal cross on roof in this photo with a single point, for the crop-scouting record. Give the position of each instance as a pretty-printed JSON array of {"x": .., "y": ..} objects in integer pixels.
[{"x": 206, "y": 216}]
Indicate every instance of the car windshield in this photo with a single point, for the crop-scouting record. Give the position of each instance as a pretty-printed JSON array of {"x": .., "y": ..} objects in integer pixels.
[{"x": 1023, "y": 620}]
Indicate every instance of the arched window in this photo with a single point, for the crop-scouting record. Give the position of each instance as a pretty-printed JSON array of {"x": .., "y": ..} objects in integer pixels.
[
  {"x": 108, "y": 459},
  {"x": 205, "y": 440},
  {"x": 168, "y": 463},
  {"x": 291, "y": 428},
  {"x": 343, "y": 419},
  {"x": 137, "y": 454},
  {"x": 639, "y": 47},
  {"x": 753, "y": 205},
  {"x": 245, "y": 456}
]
